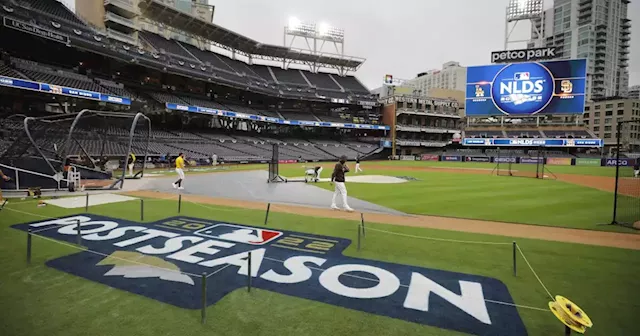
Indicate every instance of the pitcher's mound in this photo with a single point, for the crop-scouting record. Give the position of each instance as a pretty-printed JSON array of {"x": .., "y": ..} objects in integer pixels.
[{"x": 365, "y": 179}]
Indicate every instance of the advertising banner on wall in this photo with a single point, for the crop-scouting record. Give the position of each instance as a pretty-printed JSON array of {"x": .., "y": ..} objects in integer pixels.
[
  {"x": 451, "y": 158},
  {"x": 407, "y": 158},
  {"x": 559, "y": 161},
  {"x": 477, "y": 159},
  {"x": 531, "y": 160},
  {"x": 429, "y": 157},
  {"x": 621, "y": 162},
  {"x": 505, "y": 160},
  {"x": 588, "y": 162}
]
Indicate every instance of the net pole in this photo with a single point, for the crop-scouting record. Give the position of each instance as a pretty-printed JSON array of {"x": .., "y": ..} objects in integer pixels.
[{"x": 615, "y": 192}]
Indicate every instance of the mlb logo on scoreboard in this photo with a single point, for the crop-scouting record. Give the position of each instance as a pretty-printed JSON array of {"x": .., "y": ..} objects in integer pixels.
[
  {"x": 239, "y": 234},
  {"x": 521, "y": 76}
]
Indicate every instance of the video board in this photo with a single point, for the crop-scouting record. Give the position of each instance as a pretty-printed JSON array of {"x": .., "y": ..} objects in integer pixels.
[{"x": 525, "y": 89}]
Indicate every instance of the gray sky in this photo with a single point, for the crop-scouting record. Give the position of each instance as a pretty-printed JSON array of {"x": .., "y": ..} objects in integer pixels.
[{"x": 399, "y": 37}]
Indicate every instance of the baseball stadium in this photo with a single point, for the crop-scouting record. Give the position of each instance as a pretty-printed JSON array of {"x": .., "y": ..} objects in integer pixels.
[{"x": 164, "y": 175}]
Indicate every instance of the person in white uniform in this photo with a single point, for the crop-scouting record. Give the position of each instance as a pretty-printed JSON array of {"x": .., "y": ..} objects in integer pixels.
[
  {"x": 358, "y": 169},
  {"x": 338, "y": 179}
]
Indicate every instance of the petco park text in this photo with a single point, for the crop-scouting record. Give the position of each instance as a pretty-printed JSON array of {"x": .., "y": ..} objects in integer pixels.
[{"x": 164, "y": 262}]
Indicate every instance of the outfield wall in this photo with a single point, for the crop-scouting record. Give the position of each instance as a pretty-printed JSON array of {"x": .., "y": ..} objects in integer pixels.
[{"x": 608, "y": 162}]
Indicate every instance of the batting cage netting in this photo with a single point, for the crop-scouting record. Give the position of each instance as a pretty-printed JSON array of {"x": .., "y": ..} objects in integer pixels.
[
  {"x": 522, "y": 163},
  {"x": 626, "y": 202},
  {"x": 274, "y": 166},
  {"x": 85, "y": 150}
]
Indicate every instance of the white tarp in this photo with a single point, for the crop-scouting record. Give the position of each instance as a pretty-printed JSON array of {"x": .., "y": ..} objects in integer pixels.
[{"x": 95, "y": 199}]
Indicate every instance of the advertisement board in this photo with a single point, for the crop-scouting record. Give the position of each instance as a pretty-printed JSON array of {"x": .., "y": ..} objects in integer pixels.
[
  {"x": 451, "y": 158},
  {"x": 533, "y": 142},
  {"x": 524, "y": 89},
  {"x": 559, "y": 161},
  {"x": 621, "y": 162},
  {"x": 533, "y": 160},
  {"x": 407, "y": 158},
  {"x": 477, "y": 159},
  {"x": 505, "y": 159},
  {"x": 588, "y": 162},
  {"x": 429, "y": 157}
]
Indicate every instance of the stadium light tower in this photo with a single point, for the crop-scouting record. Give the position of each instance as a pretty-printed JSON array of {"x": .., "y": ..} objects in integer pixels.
[
  {"x": 315, "y": 35},
  {"x": 524, "y": 10}
]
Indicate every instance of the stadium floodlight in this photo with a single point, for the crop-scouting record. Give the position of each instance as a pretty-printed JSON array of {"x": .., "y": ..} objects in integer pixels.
[
  {"x": 294, "y": 23},
  {"x": 524, "y": 9},
  {"x": 323, "y": 29}
]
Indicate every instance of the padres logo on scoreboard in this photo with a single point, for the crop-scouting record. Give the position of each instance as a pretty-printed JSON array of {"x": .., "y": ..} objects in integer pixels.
[{"x": 525, "y": 88}]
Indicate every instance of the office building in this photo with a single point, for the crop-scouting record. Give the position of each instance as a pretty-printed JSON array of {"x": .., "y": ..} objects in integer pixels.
[
  {"x": 598, "y": 30},
  {"x": 452, "y": 76},
  {"x": 634, "y": 92},
  {"x": 602, "y": 117}
]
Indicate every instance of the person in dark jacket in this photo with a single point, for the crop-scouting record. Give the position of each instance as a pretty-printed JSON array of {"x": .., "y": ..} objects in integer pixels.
[{"x": 338, "y": 179}]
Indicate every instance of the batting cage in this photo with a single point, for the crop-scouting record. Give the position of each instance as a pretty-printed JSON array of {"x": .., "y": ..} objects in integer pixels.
[
  {"x": 523, "y": 163},
  {"x": 85, "y": 150},
  {"x": 626, "y": 199},
  {"x": 274, "y": 166}
]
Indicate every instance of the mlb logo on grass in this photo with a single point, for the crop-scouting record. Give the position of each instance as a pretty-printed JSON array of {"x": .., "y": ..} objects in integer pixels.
[
  {"x": 521, "y": 76},
  {"x": 239, "y": 234}
]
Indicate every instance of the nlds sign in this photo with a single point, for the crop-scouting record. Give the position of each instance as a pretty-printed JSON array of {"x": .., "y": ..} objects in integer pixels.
[{"x": 523, "y": 88}]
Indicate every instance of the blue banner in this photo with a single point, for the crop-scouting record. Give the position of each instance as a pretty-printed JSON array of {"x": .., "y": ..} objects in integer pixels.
[
  {"x": 477, "y": 159},
  {"x": 61, "y": 90},
  {"x": 621, "y": 162},
  {"x": 231, "y": 114},
  {"x": 534, "y": 142},
  {"x": 450, "y": 158},
  {"x": 534, "y": 160},
  {"x": 524, "y": 89},
  {"x": 505, "y": 159}
]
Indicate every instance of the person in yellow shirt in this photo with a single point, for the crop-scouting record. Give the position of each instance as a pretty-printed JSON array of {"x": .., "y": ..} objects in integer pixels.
[
  {"x": 180, "y": 171},
  {"x": 131, "y": 162}
]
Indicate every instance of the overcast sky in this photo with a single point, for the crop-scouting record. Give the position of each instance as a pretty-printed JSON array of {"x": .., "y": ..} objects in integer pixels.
[{"x": 399, "y": 37}]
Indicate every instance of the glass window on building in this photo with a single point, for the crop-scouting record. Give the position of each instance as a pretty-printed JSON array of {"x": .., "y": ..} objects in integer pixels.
[
  {"x": 609, "y": 106},
  {"x": 620, "y": 104},
  {"x": 607, "y": 135},
  {"x": 608, "y": 113},
  {"x": 620, "y": 112},
  {"x": 596, "y": 128},
  {"x": 596, "y": 122},
  {"x": 597, "y": 114},
  {"x": 607, "y": 121}
]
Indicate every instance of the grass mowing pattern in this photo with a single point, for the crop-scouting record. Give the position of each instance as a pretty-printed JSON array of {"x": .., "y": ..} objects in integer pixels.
[
  {"x": 487, "y": 197},
  {"x": 37, "y": 300}
]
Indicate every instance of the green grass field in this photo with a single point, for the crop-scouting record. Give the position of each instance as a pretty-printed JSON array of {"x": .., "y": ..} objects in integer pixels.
[
  {"x": 578, "y": 170},
  {"x": 486, "y": 197},
  {"x": 38, "y": 300}
]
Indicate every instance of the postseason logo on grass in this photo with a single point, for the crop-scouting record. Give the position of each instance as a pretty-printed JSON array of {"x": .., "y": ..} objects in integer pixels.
[{"x": 165, "y": 261}]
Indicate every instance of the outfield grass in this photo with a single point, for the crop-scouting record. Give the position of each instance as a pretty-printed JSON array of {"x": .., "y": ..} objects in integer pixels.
[
  {"x": 486, "y": 197},
  {"x": 578, "y": 170},
  {"x": 37, "y": 300}
]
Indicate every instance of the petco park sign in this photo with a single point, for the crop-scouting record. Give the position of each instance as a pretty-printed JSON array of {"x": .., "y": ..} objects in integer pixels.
[
  {"x": 162, "y": 260},
  {"x": 523, "y": 55}
]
